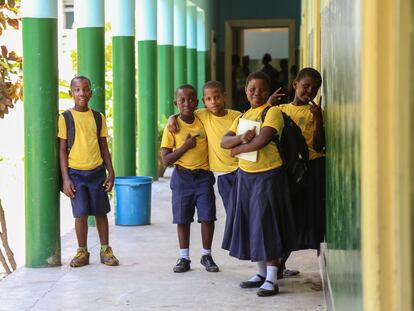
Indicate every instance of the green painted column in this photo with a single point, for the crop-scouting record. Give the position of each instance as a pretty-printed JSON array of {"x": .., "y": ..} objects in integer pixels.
[
  {"x": 90, "y": 24},
  {"x": 201, "y": 54},
  {"x": 40, "y": 128},
  {"x": 124, "y": 112},
  {"x": 147, "y": 88},
  {"x": 165, "y": 59},
  {"x": 180, "y": 41},
  {"x": 192, "y": 44}
]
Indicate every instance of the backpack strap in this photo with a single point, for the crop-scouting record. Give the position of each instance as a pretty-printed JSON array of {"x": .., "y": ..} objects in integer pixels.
[
  {"x": 276, "y": 137},
  {"x": 70, "y": 130},
  {"x": 98, "y": 120}
]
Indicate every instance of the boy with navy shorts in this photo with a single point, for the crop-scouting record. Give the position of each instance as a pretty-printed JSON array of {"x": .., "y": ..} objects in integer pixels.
[
  {"x": 84, "y": 159},
  {"x": 191, "y": 181}
]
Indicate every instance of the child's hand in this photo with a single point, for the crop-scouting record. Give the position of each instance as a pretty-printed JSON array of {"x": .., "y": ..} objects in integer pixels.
[
  {"x": 190, "y": 141},
  {"x": 277, "y": 97},
  {"x": 69, "y": 188},
  {"x": 172, "y": 124},
  {"x": 109, "y": 183},
  {"x": 234, "y": 151},
  {"x": 316, "y": 109},
  {"x": 248, "y": 135}
]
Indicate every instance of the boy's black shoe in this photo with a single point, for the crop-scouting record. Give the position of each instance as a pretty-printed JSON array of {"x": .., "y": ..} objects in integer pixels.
[
  {"x": 208, "y": 262},
  {"x": 182, "y": 265}
]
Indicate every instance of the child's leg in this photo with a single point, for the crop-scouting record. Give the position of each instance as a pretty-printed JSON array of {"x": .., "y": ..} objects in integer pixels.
[
  {"x": 183, "y": 232},
  {"x": 207, "y": 233},
  {"x": 270, "y": 286},
  {"x": 103, "y": 228},
  {"x": 81, "y": 228}
]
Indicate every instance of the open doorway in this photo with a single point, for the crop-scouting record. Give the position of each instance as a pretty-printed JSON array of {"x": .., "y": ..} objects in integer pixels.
[{"x": 246, "y": 44}]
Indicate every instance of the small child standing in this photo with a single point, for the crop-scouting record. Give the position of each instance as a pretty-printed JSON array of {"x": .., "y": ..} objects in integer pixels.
[
  {"x": 259, "y": 224},
  {"x": 83, "y": 161},
  {"x": 191, "y": 181},
  {"x": 216, "y": 121}
]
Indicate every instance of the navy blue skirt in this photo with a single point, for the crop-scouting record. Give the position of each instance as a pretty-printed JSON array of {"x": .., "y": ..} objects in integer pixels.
[
  {"x": 309, "y": 207},
  {"x": 259, "y": 223}
]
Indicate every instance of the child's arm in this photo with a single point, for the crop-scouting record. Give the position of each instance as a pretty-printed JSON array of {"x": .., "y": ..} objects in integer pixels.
[
  {"x": 231, "y": 140},
  {"x": 172, "y": 124},
  {"x": 67, "y": 187},
  {"x": 257, "y": 143},
  {"x": 319, "y": 133},
  {"x": 106, "y": 156},
  {"x": 169, "y": 157}
]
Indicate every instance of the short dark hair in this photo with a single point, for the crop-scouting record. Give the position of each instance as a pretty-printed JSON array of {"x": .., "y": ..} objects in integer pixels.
[
  {"x": 259, "y": 75},
  {"x": 213, "y": 84},
  {"x": 185, "y": 87},
  {"x": 311, "y": 73},
  {"x": 80, "y": 78},
  {"x": 267, "y": 58}
]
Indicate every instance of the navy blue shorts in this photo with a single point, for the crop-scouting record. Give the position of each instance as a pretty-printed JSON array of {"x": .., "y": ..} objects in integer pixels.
[
  {"x": 191, "y": 190},
  {"x": 225, "y": 184},
  {"x": 90, "y": 196}
]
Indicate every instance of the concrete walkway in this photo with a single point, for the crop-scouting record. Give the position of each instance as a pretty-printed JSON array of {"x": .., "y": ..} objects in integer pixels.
[{"x": 145, "y": 281}]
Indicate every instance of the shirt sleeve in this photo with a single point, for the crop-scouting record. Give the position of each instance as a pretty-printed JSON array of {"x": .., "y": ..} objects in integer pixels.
[
  {"x": 62, "y": 127},
  {"x": 274, "y": 119},
  {"x": 104, "y": 128},
  {"x": 233, "y": 127},
  {"x": 167, "y": 139}
]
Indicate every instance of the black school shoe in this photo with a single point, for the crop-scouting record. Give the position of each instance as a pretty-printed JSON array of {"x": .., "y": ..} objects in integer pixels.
[
  {"x": 182, "y": 265},
  {"x": 253, "y": 284},
  {"x": 208, "y": 262},
  {"x": 268, "y": 292}
]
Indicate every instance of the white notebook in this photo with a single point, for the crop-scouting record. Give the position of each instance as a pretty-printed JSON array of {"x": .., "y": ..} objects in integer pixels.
[{"x": 243, "y": 126}]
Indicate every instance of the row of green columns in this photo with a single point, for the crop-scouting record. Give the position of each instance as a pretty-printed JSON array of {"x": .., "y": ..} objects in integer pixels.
[
  {"x": 40, "y": 72},
  {"x": 124, "y": 112},
  {"x": 180, "y": 41},
  {"x": 165, "y": 39},
  {"x": 147, "y": 87},
  {"x": 90, "y": 23},
  {"x": 192, "y": 45},
  {"x": 201, "y": 53}
]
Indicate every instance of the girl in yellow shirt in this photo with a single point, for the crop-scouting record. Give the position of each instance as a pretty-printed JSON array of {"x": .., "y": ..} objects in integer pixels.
[{"x": 259, "y": 225}]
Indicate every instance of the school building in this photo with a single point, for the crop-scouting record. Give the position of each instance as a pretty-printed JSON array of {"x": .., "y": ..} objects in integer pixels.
[{"x": 364, "y": 50}]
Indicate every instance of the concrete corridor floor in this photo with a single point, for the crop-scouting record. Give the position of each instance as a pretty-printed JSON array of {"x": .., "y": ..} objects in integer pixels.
[{"x": 145, "y": 280}]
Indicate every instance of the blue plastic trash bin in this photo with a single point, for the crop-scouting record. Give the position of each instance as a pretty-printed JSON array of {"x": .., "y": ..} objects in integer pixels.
[{"x": 133, "y": 200}]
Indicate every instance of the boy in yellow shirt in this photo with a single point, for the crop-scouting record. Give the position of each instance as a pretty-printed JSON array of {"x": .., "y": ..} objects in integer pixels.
[
  {"x": 84, "y": 156},
  {"x": 191, "y": 181},
  {"x": 216, "y": 121}
]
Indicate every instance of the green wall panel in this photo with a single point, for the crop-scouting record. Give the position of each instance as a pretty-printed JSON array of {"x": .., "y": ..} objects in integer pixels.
[{"x": 341, "y": 57}]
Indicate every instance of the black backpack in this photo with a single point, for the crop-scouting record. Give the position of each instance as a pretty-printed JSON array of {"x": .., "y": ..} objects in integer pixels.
[
  {"x": 294, "y": 152},
  {"x": 70, "y": 133}
]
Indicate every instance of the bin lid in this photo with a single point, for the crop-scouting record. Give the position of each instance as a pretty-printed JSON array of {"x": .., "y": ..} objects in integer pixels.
[{"x": 128, "y": 180}]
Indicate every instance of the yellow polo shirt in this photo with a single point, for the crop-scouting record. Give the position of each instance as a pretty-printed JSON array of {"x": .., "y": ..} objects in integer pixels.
[
  {"x": 268, "y": 157},
  {"x": 85, "y": 153},
  {"x": 220, "y": 159},
  {"x": 302, "y": 116},
  {"x": 195, "y": 158}
]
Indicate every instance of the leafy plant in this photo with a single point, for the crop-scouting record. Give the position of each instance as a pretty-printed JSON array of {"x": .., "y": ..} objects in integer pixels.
[{"x": 11, "y": 75}]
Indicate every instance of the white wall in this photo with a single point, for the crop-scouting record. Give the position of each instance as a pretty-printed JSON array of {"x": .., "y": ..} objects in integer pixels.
[{"x": 257, "y": 43}]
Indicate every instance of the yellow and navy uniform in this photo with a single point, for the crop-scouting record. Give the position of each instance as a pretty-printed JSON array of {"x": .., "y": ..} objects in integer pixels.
[
  {"x": 268, "y": 157},
  {"x": 220, "y": 159},
  {"x": 85, "y": 153},
  {"x": 195, "y": 158},
  {"x": 303, "y": 117}
]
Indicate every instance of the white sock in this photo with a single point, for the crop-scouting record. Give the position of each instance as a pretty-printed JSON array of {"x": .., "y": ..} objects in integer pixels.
[
  {"x": 185, "y": 253},
  {"x": 272, "y": 277},
  {"x": 261, "y": 270},
  {"x": 205, "y": 251}
]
